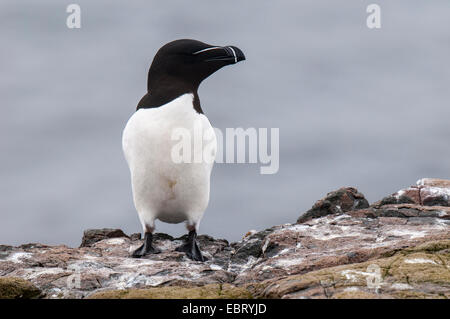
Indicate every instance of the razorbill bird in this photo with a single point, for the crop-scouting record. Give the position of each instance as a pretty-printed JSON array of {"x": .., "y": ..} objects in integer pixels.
[{"x": 165, "y": 189}]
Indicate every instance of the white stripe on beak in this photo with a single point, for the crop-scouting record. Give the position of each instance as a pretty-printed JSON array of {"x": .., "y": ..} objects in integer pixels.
[
  {"x": 234, "y": 53},
  {"x": 207, "y": 49}
]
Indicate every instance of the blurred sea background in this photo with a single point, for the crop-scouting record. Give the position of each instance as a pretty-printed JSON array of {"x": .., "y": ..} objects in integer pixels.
[{"x": 355, "y": 106}]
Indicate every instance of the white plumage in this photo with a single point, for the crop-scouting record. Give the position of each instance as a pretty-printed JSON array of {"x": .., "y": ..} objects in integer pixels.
[{"x": 163, "y": 189}]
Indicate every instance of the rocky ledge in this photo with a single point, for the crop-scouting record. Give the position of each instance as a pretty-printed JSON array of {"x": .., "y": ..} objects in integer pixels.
[{"x": 398, "y": 247}]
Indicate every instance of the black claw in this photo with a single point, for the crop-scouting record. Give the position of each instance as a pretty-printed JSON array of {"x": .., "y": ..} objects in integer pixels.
[
  {"x": 146, "y": 248},
  {"x": 191, "y": 248}
]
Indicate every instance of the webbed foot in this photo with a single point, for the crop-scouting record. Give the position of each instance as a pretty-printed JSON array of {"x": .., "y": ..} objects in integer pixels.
[
  {"x": 191, "y": 248},
  {"x": 146, "y": 248}
]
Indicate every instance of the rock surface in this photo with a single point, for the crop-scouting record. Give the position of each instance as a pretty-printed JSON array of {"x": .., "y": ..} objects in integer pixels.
[
  {"x": 398, "y": 247},
  {"x": 211, "y": 291},
  {"x": 418, "y": 272},
  {"x": 343, "y": 200},
  {"x": 92, "y": 236},
  {"x": 427, "y": 192},
  {"x": 17, "y": 288}
]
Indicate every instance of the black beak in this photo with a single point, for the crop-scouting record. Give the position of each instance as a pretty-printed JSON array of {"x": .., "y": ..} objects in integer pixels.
[
  {"x": 229, "y": 54},
  {"x": 234, "y": 53}
]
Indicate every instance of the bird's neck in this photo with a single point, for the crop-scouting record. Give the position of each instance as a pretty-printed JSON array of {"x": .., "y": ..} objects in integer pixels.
[{"x": 166, "y": 90}]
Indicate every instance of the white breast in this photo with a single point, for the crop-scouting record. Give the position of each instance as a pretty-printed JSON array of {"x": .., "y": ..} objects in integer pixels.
[{"x": 163, "y": 189}]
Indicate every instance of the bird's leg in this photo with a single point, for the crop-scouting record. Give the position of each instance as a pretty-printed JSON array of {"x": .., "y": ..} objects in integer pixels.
[
  {"x": 146, "y": 248},
  {"x": 190, "y": 247}
]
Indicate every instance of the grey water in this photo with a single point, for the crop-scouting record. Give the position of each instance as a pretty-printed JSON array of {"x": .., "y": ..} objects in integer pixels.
[{"x": 355, "y": 106}]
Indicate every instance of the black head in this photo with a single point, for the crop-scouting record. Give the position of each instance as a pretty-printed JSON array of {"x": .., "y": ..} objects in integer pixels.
[{"x": 180, "y": 66}]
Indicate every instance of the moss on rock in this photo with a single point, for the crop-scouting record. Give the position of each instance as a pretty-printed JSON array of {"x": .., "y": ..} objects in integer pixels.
[
  {"x": 212, "y": 291},
  {"x": 17, "y": 288},
  {"x": 417, "y": 295},
  {"x": 355, "y": 295}
]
